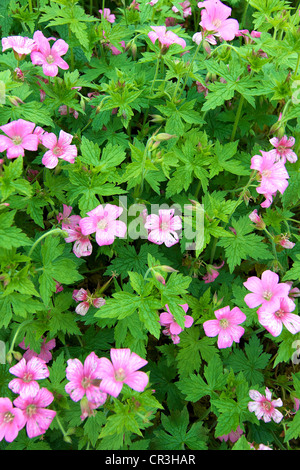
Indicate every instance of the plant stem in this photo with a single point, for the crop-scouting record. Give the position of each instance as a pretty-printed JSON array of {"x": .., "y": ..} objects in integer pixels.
[
  {"x": 237, "y": 118},
  {"x": 189, "y": 69},
  {"x": 297, "y": 65},
  {"x": 155, "y": 75},
  {"x": 51, "y": 232},
  {"x": 30, "y": 5}
]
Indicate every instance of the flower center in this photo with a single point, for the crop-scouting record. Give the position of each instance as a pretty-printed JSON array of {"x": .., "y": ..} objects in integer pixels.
[
  {"x": 267, "y": 295},
  {"x": 266, "y": 173},
  {"x": 30, "y": 410},
  {"x": 85, "y": 383},
  {"x": 224, "y": 323},
  {"x": 50, "y": 59},
  {"x": 280, "y": 313},
  {"x": 217, "y": 23},
  {"x": 102, "y": 224},
  {"x": 164, "y": 226},
  {"x": 267, "y": 405},
  {"x": 27, "y": 377},
  {"x": 17, "y": 140},
  {"x": 120, "y": 374},
  {"x": 57, "y": 150},
  {"x": 8, "y": 417}
]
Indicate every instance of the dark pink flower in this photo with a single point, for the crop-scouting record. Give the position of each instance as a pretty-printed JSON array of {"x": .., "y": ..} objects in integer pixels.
[
  {"x": 20, "y": 45},
  {"x": 11, "y": 420},
  {"x": 164, "y": 37},
  {"x": 283, "y": 149},
  {"x": 19, "y": 137},
  {"x": 58, "y": 148},
  {"x": 108, "y": 15},
  {"x": 233, "y": 436},
  {"x": 37, "y": 417},
  {"x": 49, "y": 57},
  {"x": 273, "y": 321},
  {"x": 214, "y": 18},
  {"x": 266, "y": 291},
  {"x": 27, "y": 375},
  {"x": 44, "y": 354},
  {"x": 172, "y": 328}
]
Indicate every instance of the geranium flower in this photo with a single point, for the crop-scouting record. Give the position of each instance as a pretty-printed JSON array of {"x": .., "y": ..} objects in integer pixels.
[
  {"x": 27, "y": 375},
  {"x": 172, "y": 328},
  {"x": 266, "y": 291},
  {"x": 257, "y": 220},
  {"x": 20, "y": 45},
  {"x": 263, "y": 407},
  {"x": 162, "y": 227},
  {"x": 273, "y": 321},
  {"x": 108, "y": 15},
  {"x": 164, "y": 37},
  {"x": 11, "y": 420},
  {"x": 19, "y": 137},
  {"x": 58, "y": 148},
  {"x": 44, "y": 354},
  {"x": 86, "y": 300},
  {"x": 102, "y": 220},
  {"x": 212, "y": 273},
  {"x": 37, "y": 417},
  {"x": 186, "y": 7},
  {"x": 282, "y": 150},
  {"x": 122, "y": 369},
  {"x": 233, "y": 436},
  {"x": 226, "y": 326},
  {"x": 84, "y": 379},
  {"x": 49, "y": 57},
  {"x": 214, "y": 18}
]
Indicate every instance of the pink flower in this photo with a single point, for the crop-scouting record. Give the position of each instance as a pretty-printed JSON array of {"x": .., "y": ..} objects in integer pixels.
[
  {"x": 172, "y": 328},
  {"x": 226, "y": 326},
  {"x": 123, "y": 368},
  {"x": 214, "y": 18},
  {"x": 257, "y": 220},
  {"x": 286, "y": 243},
  {"x": 49, "y": 57},
  {"x": 66, "y": 221},
  {"x": 198, "y": 37},
  {"x": 282, "y": 150},
  {"x": 273, "y": 174},
  {"x": 44, "y": 354},
  {"x": 58, "y": 148},
  {"x": 233, "y": 436},
  {"x": 153, "y": 2},
  {"x": 165, "y": 38},
  {"x": 84, "y": 379},
  {"x": 37, "y": 417},
  {"x": 274, "y": 320},
  {"x": 11, "y": 420},
  {"x": 264, "y": 407},
  {"x": 20, "y": 138},
  {"x": 102, "y": 220},
  {"x": 107, "y": 15},
  {"x": 86, "y": 300},
  {"x": 265, "y": 291},
  {"x": 82, "y": 245},
  {"x": 63, "y": 110},
  {"x": 87, "y": 407},
  {"x": 28, "y": 373},
  {"x": 212, "y": 273},
  {"x": 20, "y": 45},
  {"x": 162, "y": 227}
]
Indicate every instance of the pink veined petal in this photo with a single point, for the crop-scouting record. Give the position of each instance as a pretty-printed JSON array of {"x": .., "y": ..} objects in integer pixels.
[
  {"x": 137, "y": 380},
  {"x": 256, "y": 162},
  {"x": 82, "y": 308},
  {"x": 70, "y": 154},
  {"x": 282, "y": 290},
  {"x": 90, "y": 366},
  {"x": 156, "y": 236},
  {"x": 74, "y": 370},
  {"x": 170, "y": 238},
  {"x": 253, "y": 300},
  {"x": 5, "y": 143},
  {"x": 225, "y": 339},
  {"x": 49, "y": 160},
  {"x": 188, "y": 321},
  {"x": 277, "y": 416},
  {"x": 255, "y": 395},
  {"x": 64, "y": 138},
  {"x": 23, "y": 128},
  {"x": 152, "y": 36},
  {"x": 15, "y": 151},
  {"x": 30, "y": 142},
  {"x": 75, "y": 391},
  {"x": 166, "y": 318},
  {"x": 175, "y": 329},
  {"x": 104, "y": 237},
  {"x": 120, "y": 357},
  {"x": 268, "y": 320},
  {"x": 106, "y": 369},
  {"x": 222, "y": 312},
  {"x": 291, "y": 322},
  {"x": 97, "y": 212},
  {"x": 42, "y": 43},
  {"x": 50, "y": 70},
  {"x": 113, "y": 212},
  {"x": 37, "y": 58},
  {"x": 236, "y": 332},
  {"x": 236, "y": 316},
  {"x": 228, "y": 29},
  {"x": 88, "y": 225},
  {"x": 269, "y": 280},
  {"x": 176, "y": 223},
  {"x": 82, "y": 248},
  {"x": 49, "y": 140},
  {"x": 110, "y": 386},
  {"x": 60, "y": 47},
  {"x": 254, "y": 284},
  {"x": 136, "y": 362},
  {"x": 152, "y": 221},
  {"x": 211, "y": 328},
  {"x": 37, "y": 367},
  {"x": 119, "y": 228},
  {"x": 19, "y": 369}
]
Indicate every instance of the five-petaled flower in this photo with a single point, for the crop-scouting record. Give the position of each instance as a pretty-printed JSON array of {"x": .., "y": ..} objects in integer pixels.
[
  {"x": 19, "y": 137},
  {"x": 58, "y": 148},
  {"x": 49, "y": 57},
  {"x": 226, "y": 326},
  {"x": 264, "y": 407}
]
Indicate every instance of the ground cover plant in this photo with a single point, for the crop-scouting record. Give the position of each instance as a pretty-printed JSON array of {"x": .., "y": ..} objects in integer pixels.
[{"x": 149, "y": 225}]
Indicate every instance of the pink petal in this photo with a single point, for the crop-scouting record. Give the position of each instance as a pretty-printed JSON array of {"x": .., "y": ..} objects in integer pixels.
[
  {"x": 60, "y": 47},
  {"x": 49, "y": 160},
  {"x": 137, "y": 380},
  {"x": 211, "y": 328}
]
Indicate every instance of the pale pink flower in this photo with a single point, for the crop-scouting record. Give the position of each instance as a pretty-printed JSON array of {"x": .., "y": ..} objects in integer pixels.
[
  {"x": 226, "y": 326},
  {"x": 282, "y": 150},
  {"x": 84, "y": 379},
  {"x": 19, "y": 137},
  {"x": 19, "y": 74},
  {"x": 186, "y": 7},
  {"x": 27, "y": 375},
  {"x": 286, "y": 243},
  {"x": 39, "y": 131},
  {"x": 82, "y": 245},
  {"x": 273, "y": 321},
  {"x": 294, "y": 291},
  {"x": 108, "y": 15},
  {"x": 257, "y": 220},
  {"x": 233, "y": 436},
  {"x": 58, "y": 148},
  {"x": 212, "y": 273},
  {"x": 153, "y": 2},
  {"x": 198, "y": 37},
  {"x": 49, "y": 57},
  {"x": 11, "y": 420},
  {"x": 20, "y": 45},
  {"x": 172, "y": 328},
  {"x": 162, "y": 227},
  {"x": 164, "y": 37},
  {"x": 266, "y": 291},
  {"x": 214, "y": 18},
  {"x": 273, "y": 174},
  {"x": 102, "y": 220},
  {"x": 264, "y": 407},
  {"x": 86, "y": 300},
  {"x": 66, "y": 220},
  {"x": 44, "y": 354},
  {"x": 38, "y": 418},
  {"x": 122, "y": 369}
]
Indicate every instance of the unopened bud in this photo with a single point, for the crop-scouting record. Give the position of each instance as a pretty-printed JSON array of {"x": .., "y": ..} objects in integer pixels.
[
  {"x": 163, "y": 136},
  {"x": 17, "y": 355},
  {"x": 9, "y": 357},
  {"x": 156, "y": 118},
  {"x": 15, "y": 100}
]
